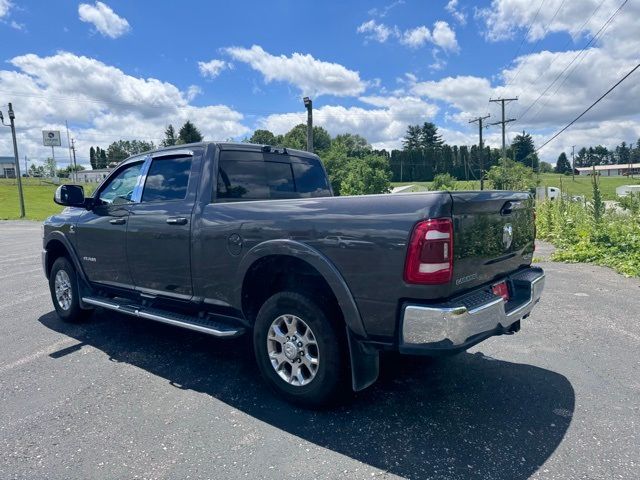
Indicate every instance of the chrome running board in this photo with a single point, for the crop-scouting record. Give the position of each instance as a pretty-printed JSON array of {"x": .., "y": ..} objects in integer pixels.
[{"x": 214, "y": 325}]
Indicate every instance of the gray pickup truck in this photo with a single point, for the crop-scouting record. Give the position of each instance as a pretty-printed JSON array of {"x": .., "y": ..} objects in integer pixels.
[{"x": 228, "y": 238}]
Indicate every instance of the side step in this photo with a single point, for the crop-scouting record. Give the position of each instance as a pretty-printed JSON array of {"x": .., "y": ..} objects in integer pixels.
[{"x": 204, "y": 325}]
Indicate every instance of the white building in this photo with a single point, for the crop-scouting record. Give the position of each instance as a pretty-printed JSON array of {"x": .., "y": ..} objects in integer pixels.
[
  {"x": 612, "y": 170},
  {"x": 93, "y": 176},
  {"x": 7, "y": 167}
]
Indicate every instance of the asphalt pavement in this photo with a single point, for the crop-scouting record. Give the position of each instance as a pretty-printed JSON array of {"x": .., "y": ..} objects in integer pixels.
[{"x": 120, "y": 398}]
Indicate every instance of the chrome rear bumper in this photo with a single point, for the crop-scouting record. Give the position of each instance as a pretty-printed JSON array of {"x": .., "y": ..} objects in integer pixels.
[{"x": 471, "y": 318}]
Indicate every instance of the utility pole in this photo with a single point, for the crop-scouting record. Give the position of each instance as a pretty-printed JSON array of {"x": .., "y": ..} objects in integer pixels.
[
  {"x": 573, "y": 163},
  {"x": 503, "y": 122},
  {"x": 26, "y": 170},
  {"x": 630, "y": 160},
  {"x": 73, "y": 174},
  {"x": 309, "y": 106},
  {"x": 12, "y": 117},
  {"x": 73, "y": 149},
  {"x": 481, "y": 152}
]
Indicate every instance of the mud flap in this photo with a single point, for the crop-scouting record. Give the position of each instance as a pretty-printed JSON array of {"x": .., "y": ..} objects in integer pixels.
[{"x": 365, "y": 363}]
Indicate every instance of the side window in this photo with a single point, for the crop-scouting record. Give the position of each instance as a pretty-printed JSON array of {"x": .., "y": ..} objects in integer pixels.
[
  {"x": 255, "y": 180},
  {"x": 280, "y": 180},
  {"x": 120, "y": 188},
  {"x": 167, "y": 179},
  {"x": 311, "y": 181},
  {"x": 241, "y": 180}
]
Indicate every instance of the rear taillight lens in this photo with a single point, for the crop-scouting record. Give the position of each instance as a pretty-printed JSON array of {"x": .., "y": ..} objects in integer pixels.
[{"x": 430, "y": 253}]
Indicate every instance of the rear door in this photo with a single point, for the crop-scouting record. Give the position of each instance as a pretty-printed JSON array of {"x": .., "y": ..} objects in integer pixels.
[
  {"x": 159, "y": 230},
  {"x": 494, "y": 234}
]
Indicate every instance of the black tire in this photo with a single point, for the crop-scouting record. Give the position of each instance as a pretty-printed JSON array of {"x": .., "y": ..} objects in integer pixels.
[
  {"x": 330, "y": 381},
  {"x": 72, "y": 312}
]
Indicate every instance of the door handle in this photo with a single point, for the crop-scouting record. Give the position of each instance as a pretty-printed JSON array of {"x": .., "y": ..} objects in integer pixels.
[
  {"x": 117, "y": 221},
  {"x": 177, "y": 221}
]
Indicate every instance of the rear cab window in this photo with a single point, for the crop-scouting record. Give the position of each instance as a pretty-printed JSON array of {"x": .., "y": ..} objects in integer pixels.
[{"x": 250, "y": 176}]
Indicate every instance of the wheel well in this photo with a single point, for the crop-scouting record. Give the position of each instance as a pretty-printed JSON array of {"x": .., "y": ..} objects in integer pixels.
[
  {"x": 55, "y": 250},
  {"x": 277, "y": 273}
]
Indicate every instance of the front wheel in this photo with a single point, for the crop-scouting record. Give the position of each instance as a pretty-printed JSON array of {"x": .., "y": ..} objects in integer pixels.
[
  {"x": 63, "y": 285},
  {"x": 300, "y": 351}
]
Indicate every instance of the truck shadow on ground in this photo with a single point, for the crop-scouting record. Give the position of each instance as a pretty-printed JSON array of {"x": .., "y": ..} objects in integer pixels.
[{"x": 463, "y": 416}]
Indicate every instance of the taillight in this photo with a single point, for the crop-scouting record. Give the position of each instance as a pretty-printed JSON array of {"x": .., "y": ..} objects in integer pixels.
[{"x": 430, "y": 253}]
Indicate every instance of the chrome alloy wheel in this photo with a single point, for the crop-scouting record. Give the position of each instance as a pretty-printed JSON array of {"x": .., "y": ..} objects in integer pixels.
[
  {"x": 293, "y": 350},
  {"x": 63, "y": 289}
]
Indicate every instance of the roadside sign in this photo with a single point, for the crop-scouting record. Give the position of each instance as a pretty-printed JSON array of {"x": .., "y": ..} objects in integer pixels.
[{"x": 51, "y": 138}]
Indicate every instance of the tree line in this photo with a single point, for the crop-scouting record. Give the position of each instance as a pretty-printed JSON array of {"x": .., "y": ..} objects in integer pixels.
[{"x": 123, "y": 149}]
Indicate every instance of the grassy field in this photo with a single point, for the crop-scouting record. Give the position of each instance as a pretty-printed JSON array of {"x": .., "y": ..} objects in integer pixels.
[
  {"x": 579, "y": 186},
  {"x": 38, "y": 199}
]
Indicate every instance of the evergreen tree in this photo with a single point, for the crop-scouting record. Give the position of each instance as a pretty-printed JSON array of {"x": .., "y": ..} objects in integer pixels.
[
  {"x": 102, "y": 161},
  {"x": 429, "y": 137},
  {"x": 92, "y": 158},
  {"x": 562, "y": 164},
  {"x": 413, "y": 138},
  {"x": 169, "y": 137},
  {"x": 623, "y": 153},
  {"x": 524, "y": 150},
  {"x": 189, "y": 133}
]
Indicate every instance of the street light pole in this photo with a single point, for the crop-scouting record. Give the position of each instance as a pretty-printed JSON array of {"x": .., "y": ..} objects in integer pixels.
[
  {"x": 12, "y": 116},
  {"x": 309, "y": 106}
]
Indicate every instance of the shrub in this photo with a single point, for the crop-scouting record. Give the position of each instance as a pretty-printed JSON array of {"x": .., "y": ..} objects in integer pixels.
[
  {"x": 611, "y": 239},
  {"x": 443, "y": 181}
]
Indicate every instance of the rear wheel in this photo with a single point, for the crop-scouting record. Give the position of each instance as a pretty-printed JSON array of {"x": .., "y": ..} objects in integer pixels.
[
  {"x": 300, "y": 351},
  {"x": 63, "y": 285}
]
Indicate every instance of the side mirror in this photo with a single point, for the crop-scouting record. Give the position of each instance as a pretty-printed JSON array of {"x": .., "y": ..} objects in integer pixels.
[{"x": 69, "y": 196}]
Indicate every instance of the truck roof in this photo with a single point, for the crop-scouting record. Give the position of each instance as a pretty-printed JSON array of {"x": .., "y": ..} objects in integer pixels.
[{"x": 252, "y": 147}]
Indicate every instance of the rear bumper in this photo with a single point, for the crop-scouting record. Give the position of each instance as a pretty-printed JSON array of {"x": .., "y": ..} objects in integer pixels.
[{"x": 467, "y": 320}]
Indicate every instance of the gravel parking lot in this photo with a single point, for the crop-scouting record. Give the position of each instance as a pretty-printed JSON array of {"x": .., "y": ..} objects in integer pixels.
[{"x": 124, "y": 398}]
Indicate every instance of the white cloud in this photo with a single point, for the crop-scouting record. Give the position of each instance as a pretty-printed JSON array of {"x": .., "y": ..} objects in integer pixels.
[
  {"x": 614, "y": 119},
  {"x": 102, "y": 104},
  {"x": 442, "y": 36},
  {"x": 416, "y": 37},
  {"x": 376, "y": 31},
  {"x": 104, "y": 19},
  {"x": 445, "y": 37},
  {"x": 504, "y": 18},
  {"x": 382, "y": 12},
  {"x": 213, "y": 68},
  {"x": 192, "y": 92},
  {"x": 458, "y": 14},
  {"x": 384, "y": 124},
  {"x": 313, "y": 77},
  {"x": 5, "y": 6},
  {"x": 17, "y": 26}
]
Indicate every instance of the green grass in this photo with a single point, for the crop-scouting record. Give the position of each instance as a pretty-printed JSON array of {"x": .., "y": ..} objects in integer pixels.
[
  {"x": 38, "y": 199},
  {"x": 580, "y": 186}
]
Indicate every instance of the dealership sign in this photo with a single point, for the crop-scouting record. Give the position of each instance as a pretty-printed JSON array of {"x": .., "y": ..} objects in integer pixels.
[{"x": 51, "y": 138}]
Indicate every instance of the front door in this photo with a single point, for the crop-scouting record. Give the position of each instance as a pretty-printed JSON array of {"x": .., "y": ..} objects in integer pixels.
[
  {"x": 159, "y": 227},
  {"x": 101, "y": 231}
]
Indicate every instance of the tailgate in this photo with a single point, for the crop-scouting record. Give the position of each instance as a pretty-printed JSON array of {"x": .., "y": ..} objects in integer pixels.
[{"x": 494, "y": 234}]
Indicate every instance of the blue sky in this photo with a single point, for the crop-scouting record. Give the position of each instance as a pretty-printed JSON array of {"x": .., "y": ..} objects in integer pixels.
[{"x": 122, "y": 69}]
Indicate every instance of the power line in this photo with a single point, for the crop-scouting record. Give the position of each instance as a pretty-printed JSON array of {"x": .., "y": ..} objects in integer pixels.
[
  {"x": 590, "y": 107},
  {"x": 524, "y": 37},
  {"x": 604, "y": 26},
  {"x": 544, "y": 33}
]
